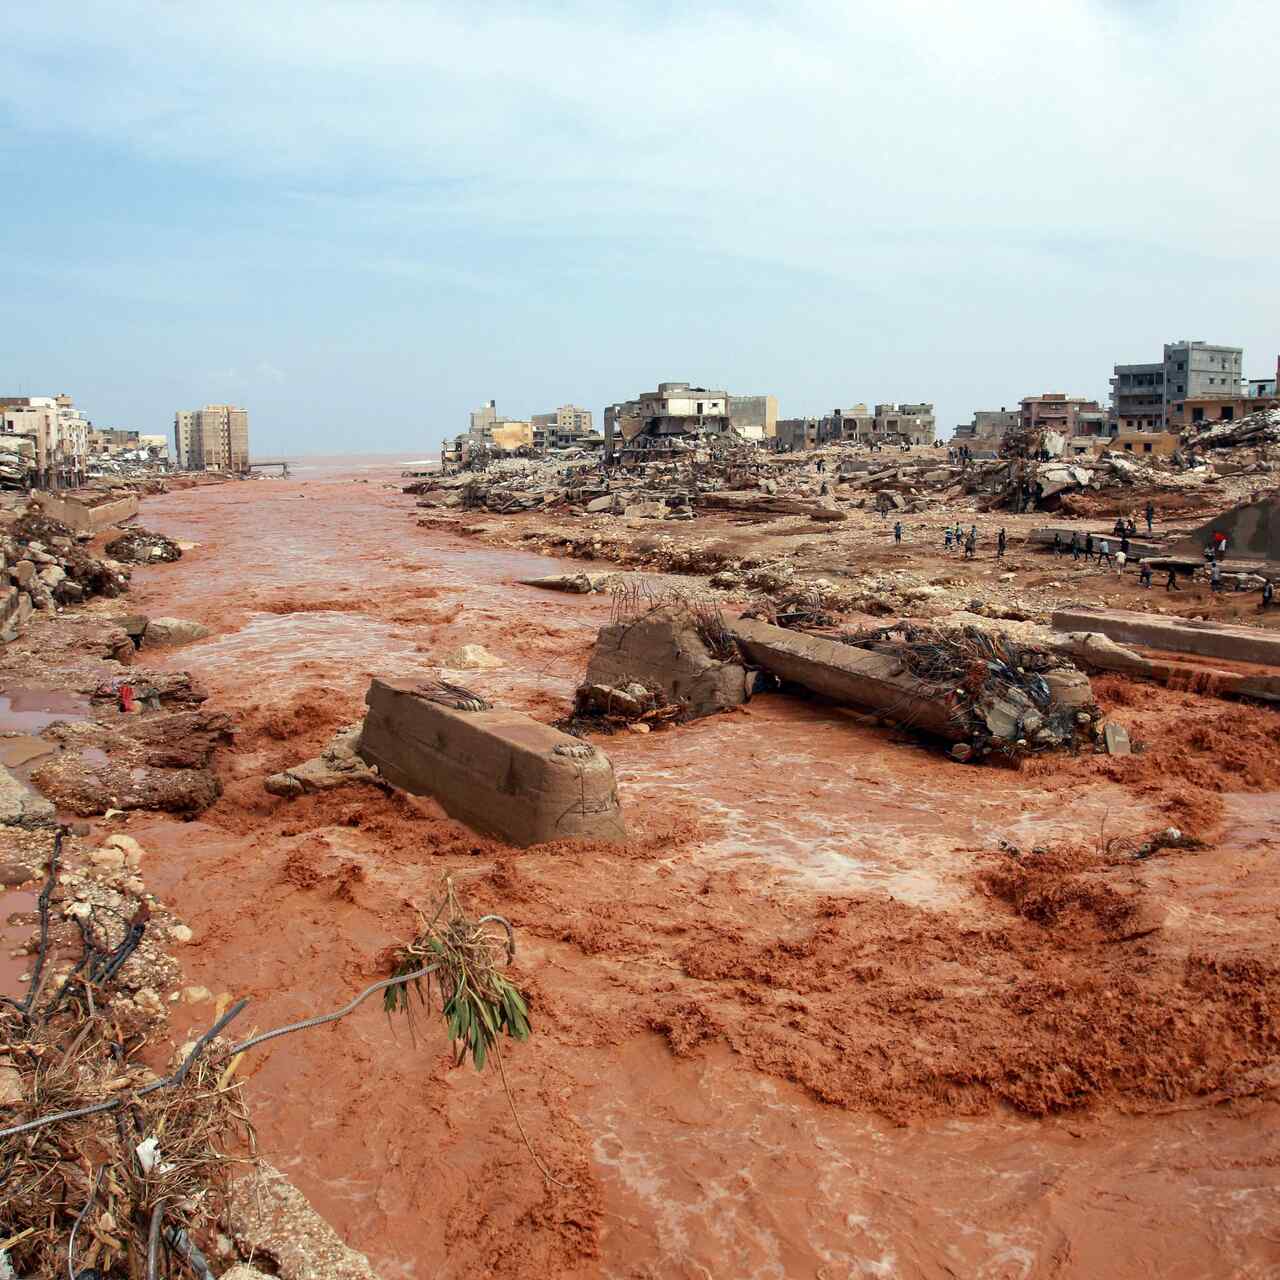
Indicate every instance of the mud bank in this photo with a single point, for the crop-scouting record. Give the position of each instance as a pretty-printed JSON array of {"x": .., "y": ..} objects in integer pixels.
[{"x": 812, "y": 1019}]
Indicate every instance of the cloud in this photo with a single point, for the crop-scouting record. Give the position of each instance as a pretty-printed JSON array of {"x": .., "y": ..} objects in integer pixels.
[{"x": 916, "y": 173}]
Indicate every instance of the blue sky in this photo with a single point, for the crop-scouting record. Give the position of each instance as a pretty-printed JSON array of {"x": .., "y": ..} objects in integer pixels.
[{"x": 360, "y": 220}]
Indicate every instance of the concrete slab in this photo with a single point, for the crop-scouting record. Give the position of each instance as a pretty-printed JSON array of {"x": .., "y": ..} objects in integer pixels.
[
  {"x": 498, "y": 771},
  {"x": 86, "y": 513},
  {"x": 856, "y": 677},
  {"x": 1175, "y": 635},
  {"x": 20, "y": 807}
]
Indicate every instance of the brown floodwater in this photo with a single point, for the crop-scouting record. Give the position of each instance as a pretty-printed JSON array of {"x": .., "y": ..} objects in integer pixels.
[{"x": 680, "y": 1164}]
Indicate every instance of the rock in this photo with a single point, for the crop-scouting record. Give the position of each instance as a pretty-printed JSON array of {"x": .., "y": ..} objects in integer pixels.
[
  {"x": 11, "y": 1091},
  {"x": 20, "y": 807},
  {"x": 111, "y": 859},
  {"x": 180, "y": 933},
  {"x": 162, "y": 631},
  {"x": 337, "y": 766},
  {"x": 1117, "y": 739},
  {"x": 601, "y": 504},
  {"x": 132, "y": 624},
  {"x": 646, "y": 511},
  {"x": 127, "y": 845},
  {"x": 51, "y": 575},
  {"x": 471, "y": 657},
  {"x": 196, "y": 995},
  {"x": 24, "y": 574}
]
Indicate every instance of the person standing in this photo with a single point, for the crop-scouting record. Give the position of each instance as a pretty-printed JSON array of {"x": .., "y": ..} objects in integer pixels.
[
  {"x": 1104, "y": 553},
  {"x": 1088, "y": 547},
  {"x": 1268, "y": 594},
  {"x": 1144, "y": 574},
  {"x": 1124, "y": 542},
  {"x": 1057, "y": 544},
  {"x": 1076, "y": 545},
  {"x": 1121, "y": 557},
  {"x": 1215, "y": 576},
  {"x": 897, "y": 532},
  {"x": 1151, "y": 514},
  {"x": 1001, "y": 542},
  {"x": 971, "y": 543},
  {"x": 946, "y": 538}
]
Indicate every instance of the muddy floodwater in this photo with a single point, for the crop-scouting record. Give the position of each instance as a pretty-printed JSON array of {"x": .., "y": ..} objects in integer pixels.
[{"x": 745, "y": 1059}]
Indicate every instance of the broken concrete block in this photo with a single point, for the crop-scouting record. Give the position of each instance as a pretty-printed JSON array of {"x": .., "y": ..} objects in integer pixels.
[
  {"x": 337, "y": 766},
  {"x": 601, "y": 504},
  {"x": 1117, "y": 739},
  {"x": 664, "y": 648},
  {"x": 498, "y": 771},
  {"x": 581, "y": 583},
  {"x": 855, "y": 677}
]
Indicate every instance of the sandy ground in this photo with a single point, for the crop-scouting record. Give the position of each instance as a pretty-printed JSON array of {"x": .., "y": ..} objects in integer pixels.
[{"x": 810, "y": 1021}]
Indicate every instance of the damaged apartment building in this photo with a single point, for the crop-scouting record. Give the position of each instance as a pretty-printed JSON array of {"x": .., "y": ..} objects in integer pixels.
[
  {"x": 888, "y": 424},
  {"x": 677, "y": 417},
  {"x": 568, "y": 427}
]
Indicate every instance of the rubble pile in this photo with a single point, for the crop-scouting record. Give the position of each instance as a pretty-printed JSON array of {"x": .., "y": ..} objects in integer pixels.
[
  {"x": 141, "y": 546},
  {"x": 44, "y": 567},
  {"x": 1002, "y": 695},
  {"x": 1254, "y": 429}
]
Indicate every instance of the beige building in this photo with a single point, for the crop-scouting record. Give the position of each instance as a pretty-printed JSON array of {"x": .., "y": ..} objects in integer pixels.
[
  {"x": 561, "y": 429},
  {"x": 60, "y": 432},
  {"x": 215, "y": 438}
]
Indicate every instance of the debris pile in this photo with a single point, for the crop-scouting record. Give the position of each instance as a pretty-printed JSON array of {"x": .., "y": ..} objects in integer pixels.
[
  {"x": 1261, "y": 428},
  {"x": 603, "y": 708},
  {"x": 1002, "y": 695},
  {"x": 45, "y": 567},
  {"x": 141, "y": 546}
]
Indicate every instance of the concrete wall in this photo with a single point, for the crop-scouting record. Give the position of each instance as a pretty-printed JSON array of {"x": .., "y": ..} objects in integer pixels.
[{"x": 84, "y": 517}]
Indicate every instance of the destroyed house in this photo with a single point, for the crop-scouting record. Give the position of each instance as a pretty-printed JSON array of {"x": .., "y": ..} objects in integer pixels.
[{"x": 670, "y": 420}]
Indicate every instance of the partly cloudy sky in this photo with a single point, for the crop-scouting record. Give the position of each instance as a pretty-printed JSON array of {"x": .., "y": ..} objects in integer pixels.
[{"x": 361, "y": 218}]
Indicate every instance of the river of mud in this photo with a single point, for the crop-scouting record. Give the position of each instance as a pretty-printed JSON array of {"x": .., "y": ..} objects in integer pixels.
[{"x": 789, "y": 1030}]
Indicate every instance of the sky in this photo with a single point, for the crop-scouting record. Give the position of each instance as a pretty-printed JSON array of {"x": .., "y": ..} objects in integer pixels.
[{"x": 361, "y": 219}]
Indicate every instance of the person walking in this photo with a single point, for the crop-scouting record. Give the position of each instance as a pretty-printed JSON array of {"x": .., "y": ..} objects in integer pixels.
[
  {"x": 1088, "y": 547},
  {"x": 1215, "y": 576},
  {"x": 1001, "y": 542},
  {"x": 1151, "y": 514},
  {"x": 1124, "y": 542},
  {"x": 1121, "y": 557},
  {"x": 1144, "y": 574},
  {"x": 1268, "y": 594},
  {"x": 1076, "y": 545},
  {"x": 1104, "y": 553},
  {"x": 946, "y": 538},
  {"x": 897, "y": 532},
  {"x": 971, "y": 543},
  {"x": 1171, "y": 582},
  {"x": 1057, "y": 544}
]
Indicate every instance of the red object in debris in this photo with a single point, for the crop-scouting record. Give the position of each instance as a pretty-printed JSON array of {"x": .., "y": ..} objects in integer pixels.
[{"x": 126, "y": 697}]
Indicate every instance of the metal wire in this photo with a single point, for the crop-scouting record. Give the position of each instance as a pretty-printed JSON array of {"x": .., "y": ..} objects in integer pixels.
[{"x": 80, "y": 1217}]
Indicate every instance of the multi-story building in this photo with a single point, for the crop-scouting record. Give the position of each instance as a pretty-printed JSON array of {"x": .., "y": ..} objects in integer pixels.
[
  {"x": 562, "y": 429},
  {"x": 215, "y": 438},
  {"x": 184, "y": 426},
  {"x": 665, "y": 421},
  {"x": 61, "y": 435},
  {"x": 1067, "y": 415},
  {"x": 1146, "y": 397},
  {"x": 903, "y": 424}
]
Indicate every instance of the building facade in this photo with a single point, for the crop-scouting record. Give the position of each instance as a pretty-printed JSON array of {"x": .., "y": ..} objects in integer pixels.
[
  {"x": 754, "y": 417},
  {"x": 215, "y": 438},
  {"x": 1144, "y": 396},
  {"x": 662, "y": 422},
  {"x": 60, "y": 433},
  {"x": 562, "y": 429},
  {"x": 1067, "y": 415}
]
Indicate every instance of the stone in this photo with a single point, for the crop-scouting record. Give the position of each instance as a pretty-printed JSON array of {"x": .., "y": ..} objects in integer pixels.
[
  {"x": 23, "y": 574},
  {"x": 337, "y": 766},
  {"x": 11, "y": 1091},
  {"x": 646, "y": 511},
  {"x": 500, "y": 772},
  {"x": 111, "y": 859},
  {"x": 601, "y": 504},
  {"x": 52, "y": 575},
  {"x": 164, "y": 631},
  {"x": 132, "y": 624},
  {"x": 126, "y": 844},
  {"x": 180, "y": 933},
  {"x": 1116, "y": 737},
  {"x": 20, "y": 807},
  {"x": 471, "y": 657}
]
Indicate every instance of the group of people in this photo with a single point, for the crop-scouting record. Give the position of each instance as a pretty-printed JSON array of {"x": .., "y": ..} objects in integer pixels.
[{"x": 968, "y": 542}]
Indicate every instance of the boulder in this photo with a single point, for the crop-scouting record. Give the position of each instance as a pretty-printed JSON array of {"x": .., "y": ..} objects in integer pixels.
[
  {"x": 164, "y": 631},
  {"x": 471, "y": 657}
]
